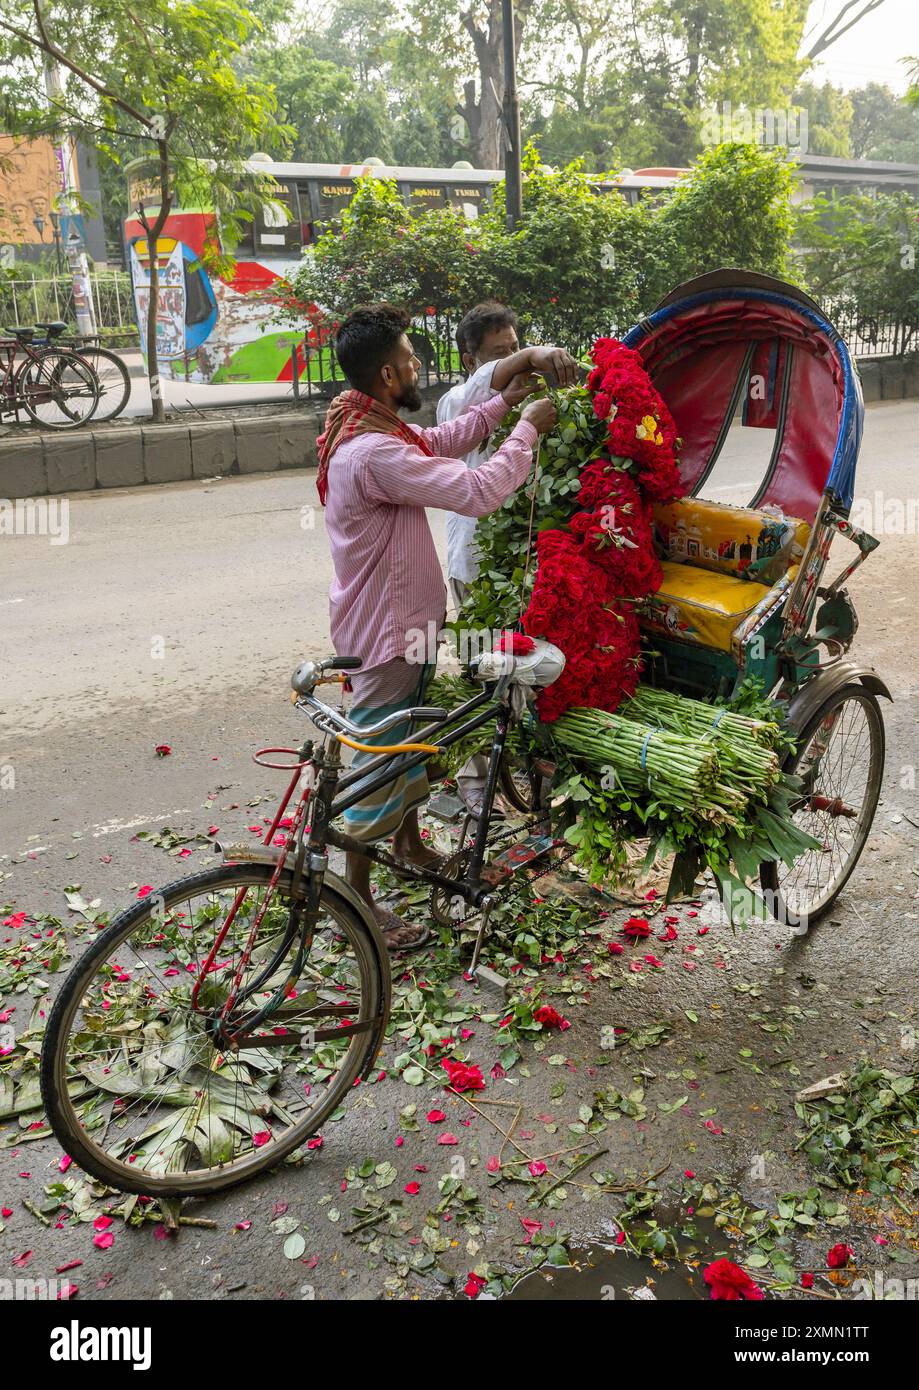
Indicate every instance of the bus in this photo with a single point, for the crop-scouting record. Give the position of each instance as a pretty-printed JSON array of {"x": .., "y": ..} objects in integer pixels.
[{"x": 223, "y": 328}]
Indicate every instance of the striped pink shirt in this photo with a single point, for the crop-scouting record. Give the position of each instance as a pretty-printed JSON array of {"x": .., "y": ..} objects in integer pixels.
[{"x": 388, "y": 581}]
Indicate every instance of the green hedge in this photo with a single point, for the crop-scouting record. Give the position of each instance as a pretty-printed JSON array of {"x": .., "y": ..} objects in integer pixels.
[{"x": 579, "y": 264}]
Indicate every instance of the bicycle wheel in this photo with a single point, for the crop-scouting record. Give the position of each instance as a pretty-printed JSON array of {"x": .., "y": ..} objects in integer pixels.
[
  {"x": 114, "y": 381},
  {"x": 58, "y": 390},
  {"x": 840, "y": 759},
  {"x": 135, "y": 1085}
]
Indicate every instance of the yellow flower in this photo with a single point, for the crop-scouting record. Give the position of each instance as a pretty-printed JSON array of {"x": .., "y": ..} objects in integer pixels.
[{"x": 648, "y": 430}]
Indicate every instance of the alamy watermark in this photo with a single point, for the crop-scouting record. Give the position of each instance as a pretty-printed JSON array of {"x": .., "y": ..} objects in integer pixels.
[
  {"x": 757, "y": 125},
  {"x": 36, "y": 516}
]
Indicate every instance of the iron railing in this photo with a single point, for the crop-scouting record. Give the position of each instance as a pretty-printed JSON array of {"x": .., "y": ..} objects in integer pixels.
[{"x": 28, "y": 301}]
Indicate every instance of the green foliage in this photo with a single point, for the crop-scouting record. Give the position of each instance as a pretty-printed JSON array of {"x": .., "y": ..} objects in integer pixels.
[
  {"x": 860, "y": 250},
  {"x": 735, "y": 210},
  {"x": 497, "y": 595},
  {"x": 864, "y": 1135},
  {"x": 380, "y": 250},
  {"x": 167, "y": 87},
  {"x": 580, "y": 264}
]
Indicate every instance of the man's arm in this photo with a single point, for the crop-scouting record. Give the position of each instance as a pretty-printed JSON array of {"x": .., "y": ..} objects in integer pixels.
[
  {"x": 454, "y": 438},
  {"x": 556, "y": 361},
  {"x": 398, "y": 473}
]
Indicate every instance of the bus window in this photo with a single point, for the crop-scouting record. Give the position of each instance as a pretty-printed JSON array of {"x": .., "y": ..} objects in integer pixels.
[
  {"x": 425, "y": 195},
  {"x": 466, "y": 198},
  {"x": 333, "y": 196},
  {"x": 198, "y": 306},
  {"x": 277, "y": 225}
]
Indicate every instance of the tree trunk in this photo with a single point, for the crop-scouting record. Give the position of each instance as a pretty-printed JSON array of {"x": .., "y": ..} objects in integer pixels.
[
  {"x": 157, "y": 405},
  {"x": 483, "y": 115}
]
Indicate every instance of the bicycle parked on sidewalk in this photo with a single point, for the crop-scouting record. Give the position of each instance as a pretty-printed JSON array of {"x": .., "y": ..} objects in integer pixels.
[
  {"x": 56, "y": 387},
  {"x": 111, "y": 371}
]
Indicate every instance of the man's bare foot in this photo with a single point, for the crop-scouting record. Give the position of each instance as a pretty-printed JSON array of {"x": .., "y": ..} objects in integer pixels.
[
  {"x": 398, "y": 934},
  {"x": 416, "y": 853}
]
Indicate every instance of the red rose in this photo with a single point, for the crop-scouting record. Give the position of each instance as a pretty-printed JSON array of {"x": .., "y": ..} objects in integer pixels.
[
  {"x": 463, "y": 1077},
  {"x": 516, "y": 642},
  {"x": 636, "y": 927},
  {"x": 727, "y": 1280},
  {"x": 839, "y": 1256},
  {"x": 550, "y": 1018}
]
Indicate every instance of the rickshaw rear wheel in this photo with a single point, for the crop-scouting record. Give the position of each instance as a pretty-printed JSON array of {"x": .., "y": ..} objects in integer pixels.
[{"x": 840, "y": 758}]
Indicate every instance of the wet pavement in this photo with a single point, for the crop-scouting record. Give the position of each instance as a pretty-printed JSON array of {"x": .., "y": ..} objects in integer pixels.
[{"x": 232, "y": 585}]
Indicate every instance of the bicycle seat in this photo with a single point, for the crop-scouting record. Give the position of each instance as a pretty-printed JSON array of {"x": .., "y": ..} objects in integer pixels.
[
  {"x": 53, "y": 329},
  {"x": 24, "y": 335}
]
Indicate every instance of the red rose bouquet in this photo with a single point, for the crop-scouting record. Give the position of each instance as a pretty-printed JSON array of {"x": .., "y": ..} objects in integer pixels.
[{"x": 592, "y": 570}]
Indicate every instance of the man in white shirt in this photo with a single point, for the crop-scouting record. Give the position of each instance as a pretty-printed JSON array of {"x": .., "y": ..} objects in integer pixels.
[{"x": 491, "y": 354}]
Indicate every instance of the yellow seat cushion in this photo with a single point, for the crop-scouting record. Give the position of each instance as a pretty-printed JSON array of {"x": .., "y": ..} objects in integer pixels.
[
  {"x": 697, "y": 605},
  {"x": 760, "y": 545}
]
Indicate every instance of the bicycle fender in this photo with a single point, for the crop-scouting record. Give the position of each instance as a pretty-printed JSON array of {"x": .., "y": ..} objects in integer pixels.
[{"x": 825, "y": 683}]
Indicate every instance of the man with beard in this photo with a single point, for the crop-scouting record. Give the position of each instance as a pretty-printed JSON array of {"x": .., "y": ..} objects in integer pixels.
[{"x": 376, "y": 476}]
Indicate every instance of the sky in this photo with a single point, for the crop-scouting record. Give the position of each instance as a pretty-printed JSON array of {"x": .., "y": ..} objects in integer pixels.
[{"x": 869, "y": 51}]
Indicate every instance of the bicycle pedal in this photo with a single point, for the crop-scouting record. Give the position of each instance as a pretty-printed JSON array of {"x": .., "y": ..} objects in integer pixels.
[
  {"x": 520, "y": 856},
  {"x": 446, "y": 807},
  {"x": 490, "y": 979}
]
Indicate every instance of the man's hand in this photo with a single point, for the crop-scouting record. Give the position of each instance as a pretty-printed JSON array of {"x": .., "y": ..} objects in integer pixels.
[
  {"x": 556, "y": 364},
  {"x": 541, "y": 414},
  {"x": 519, "y": 387}
]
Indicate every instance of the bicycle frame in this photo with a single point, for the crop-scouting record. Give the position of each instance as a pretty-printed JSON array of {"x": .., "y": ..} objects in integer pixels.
[{"x": 324, "y": 793}]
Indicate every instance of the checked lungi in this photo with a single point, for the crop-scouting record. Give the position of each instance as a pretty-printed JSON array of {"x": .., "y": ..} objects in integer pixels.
[{"x": 396, "y": 685}]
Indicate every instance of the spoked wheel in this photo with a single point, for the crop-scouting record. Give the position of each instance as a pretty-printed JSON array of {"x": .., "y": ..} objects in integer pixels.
[
  {"x": 59, "y": 390},
  {"x": 139, "y": 1084},
  {"x": 840, "y": 759},
  {"x": 523, "y": 780},
  {"x": 114, "y": 382}
]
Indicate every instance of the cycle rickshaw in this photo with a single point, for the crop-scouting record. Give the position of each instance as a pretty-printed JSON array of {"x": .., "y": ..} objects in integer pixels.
[{"x": 215, "y": 1026}]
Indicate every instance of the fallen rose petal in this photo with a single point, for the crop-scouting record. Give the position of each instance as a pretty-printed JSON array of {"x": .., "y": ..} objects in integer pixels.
[
  {"x": 537, "y": 1168},
  {"x": 435, "y": 1117},
  {"x": 447, "y": 1139},
  {"x": 412, "y": 1188},
  {"x": 104, "y": 1241}
]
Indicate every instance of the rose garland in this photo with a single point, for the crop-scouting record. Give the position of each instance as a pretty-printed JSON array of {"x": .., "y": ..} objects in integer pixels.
[{"x": 591, "y": 572}]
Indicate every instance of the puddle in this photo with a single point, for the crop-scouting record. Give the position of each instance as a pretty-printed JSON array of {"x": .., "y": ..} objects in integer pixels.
[{"x": 602, "y": 1271}]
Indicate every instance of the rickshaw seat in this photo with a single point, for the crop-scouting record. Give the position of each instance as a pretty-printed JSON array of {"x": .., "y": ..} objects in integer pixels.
[{"x": 720, "y": 564}]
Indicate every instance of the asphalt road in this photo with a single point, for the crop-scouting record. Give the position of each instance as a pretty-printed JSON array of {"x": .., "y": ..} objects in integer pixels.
[{"x": 175, "y": 615}]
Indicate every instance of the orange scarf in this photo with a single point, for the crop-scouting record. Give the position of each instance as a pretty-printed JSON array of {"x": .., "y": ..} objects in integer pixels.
[{"x": 350, "y": 414}]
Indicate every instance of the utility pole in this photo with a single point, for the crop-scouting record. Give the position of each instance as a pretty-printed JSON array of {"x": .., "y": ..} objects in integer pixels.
[
  {"x": 513, "y": 178},
  {"x": 74, "y": 250}
]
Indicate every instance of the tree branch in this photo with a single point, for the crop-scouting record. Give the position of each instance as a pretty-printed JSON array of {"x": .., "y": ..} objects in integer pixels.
[{"x": 828, "y": 37}]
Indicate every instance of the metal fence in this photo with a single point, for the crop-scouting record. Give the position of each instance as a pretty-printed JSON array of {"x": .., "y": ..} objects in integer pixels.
[
  {"x": 28, "y": 301},
  {"x": 316, "y": 373},
  {"x": 872, "y": 332}
]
